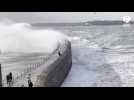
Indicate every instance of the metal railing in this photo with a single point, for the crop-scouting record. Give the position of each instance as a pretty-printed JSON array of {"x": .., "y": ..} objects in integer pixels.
[
  {"x": 25, "y": 72},
  {"x": 30, "y": 68}
]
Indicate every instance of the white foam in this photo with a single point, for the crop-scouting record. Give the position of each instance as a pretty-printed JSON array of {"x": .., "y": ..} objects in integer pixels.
[{"x": 19, "y": 37}]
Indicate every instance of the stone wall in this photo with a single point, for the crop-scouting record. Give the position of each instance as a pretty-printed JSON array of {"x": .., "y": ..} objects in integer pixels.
[{"x": 56, "y": 72}]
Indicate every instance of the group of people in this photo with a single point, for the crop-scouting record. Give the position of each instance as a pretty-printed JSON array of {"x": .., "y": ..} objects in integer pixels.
[{"x": 9, "y": 79}]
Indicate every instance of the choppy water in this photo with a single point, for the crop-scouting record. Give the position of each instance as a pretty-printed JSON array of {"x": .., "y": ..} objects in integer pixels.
[{"x": 102, "y": 55}]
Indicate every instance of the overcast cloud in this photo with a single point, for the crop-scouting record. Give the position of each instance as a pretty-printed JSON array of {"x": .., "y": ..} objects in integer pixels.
[{"x": 33, "y": 17}]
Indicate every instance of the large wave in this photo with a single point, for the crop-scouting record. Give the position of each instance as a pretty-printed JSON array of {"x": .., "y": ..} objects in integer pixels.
[{"x": 20, "y": 37}]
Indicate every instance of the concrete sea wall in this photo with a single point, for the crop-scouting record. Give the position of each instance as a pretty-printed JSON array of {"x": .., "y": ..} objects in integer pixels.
[{"x": 56, "y": 72}]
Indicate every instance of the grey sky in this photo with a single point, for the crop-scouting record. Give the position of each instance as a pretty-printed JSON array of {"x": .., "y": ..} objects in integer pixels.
[{"x": 33, "y": 17}]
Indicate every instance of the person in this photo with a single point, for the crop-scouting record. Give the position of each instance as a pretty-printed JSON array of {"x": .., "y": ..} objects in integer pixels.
[
  {"x": 59, "y": 53},
  {"x": 10, "y": 74},
  {"x": 30, "y": 84},
  {"x": 10, "y": 78}
]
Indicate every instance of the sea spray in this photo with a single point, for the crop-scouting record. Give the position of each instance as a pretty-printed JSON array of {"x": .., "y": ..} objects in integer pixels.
[{"x": 20, "y": 37}]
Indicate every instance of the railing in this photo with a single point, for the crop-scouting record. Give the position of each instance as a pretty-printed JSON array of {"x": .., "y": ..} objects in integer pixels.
[
  {"x": 25, "y": 72},
  {"x": 30, "y": 68}
]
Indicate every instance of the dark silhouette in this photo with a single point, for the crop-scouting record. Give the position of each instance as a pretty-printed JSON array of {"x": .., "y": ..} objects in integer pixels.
[
  {"x": 9, "y": 79},
  {"x": 30, "y": 84},
  {"x": 59, "y": 53}
]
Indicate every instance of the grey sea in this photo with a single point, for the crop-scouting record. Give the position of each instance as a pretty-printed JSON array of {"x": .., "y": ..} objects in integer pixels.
[{"x": 102, "y": 55}]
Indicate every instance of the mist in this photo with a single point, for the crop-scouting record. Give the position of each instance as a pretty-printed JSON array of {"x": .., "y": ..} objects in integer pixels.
[{"x": 20, "y": 37}]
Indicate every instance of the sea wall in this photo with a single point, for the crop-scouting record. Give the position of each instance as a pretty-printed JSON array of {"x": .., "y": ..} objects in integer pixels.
[{"x": 56, "y": 72}]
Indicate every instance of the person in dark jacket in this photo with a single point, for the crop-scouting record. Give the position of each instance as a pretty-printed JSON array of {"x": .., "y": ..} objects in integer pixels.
[
  {"x": 10, "y": 75},
  {"x": 30, "y": 84},
  {"x": 59, "y": 53},
  {"x": 10, "y": 78}
]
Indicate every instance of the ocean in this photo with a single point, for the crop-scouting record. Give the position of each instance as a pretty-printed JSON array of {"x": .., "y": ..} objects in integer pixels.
[{"x": 102, "y": 55}]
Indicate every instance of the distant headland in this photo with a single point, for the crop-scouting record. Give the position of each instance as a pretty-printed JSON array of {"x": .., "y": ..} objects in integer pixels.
[
  {"x": 88, "y": 23},
  {"x": 108, "y": 22}
]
